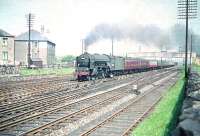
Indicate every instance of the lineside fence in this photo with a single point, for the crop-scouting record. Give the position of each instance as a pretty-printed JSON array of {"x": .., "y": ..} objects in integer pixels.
[{"x": 8, "y": 70}]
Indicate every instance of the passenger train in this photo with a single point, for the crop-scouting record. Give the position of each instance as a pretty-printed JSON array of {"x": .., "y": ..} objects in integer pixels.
[{"x": 90, "y": 66}]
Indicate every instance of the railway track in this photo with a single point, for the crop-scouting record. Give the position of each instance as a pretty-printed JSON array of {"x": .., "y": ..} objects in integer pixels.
[
  {"x": 16, "y": 91},
  {"x": 122, "y": 121},
  {"x": 13, "y": 91},
  {"x": 25, "y": 79},
  {"x": 85, "y": 102},
  {"x": 42, "y": 105},
  {"x": 58, "y": 96},
  {"x": 50, "y": 117}
]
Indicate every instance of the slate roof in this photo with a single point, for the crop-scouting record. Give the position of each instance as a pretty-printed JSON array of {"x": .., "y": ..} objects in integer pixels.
[
  {"x": 35, "y": 35},
  {"x": 5, "y": 34}
]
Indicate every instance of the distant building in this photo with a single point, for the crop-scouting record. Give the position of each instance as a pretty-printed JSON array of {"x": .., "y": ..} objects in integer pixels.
[
  {"x": 41, "y": 49},
  {"x": 6, "y": 48}
]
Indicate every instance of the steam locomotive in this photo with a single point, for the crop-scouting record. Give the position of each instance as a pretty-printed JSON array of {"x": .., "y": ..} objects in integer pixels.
[{"x": 100, "y": 66}]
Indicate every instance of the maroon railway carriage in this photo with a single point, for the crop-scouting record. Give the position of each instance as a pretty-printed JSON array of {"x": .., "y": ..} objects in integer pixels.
[{"x": 135, "y": 64}]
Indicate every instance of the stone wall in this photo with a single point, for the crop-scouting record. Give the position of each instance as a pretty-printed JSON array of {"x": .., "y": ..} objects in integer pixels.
[
  {"x": 8, "y": 70},
  {"x": 189, "y": 120}
]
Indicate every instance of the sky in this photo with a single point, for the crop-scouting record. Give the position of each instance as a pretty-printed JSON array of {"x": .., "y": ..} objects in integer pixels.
[{"x": 67, "y": 22}]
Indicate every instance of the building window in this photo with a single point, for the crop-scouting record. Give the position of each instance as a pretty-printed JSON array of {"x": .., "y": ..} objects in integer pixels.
[
  {"x": 36, "y": 44},
  {"x": 5, "y": 42},
  {"x": 5, "y": 55}
]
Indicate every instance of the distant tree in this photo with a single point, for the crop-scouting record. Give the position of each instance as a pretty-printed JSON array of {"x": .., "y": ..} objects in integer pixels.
[{"x": 68, "y": 58}]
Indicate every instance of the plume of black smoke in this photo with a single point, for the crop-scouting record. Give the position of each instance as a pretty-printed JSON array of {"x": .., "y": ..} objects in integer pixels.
[
  {"x": 103, "y": 31},
  {"x": 177, "y": 39},
  {"x": 149, "y": 34},
  {"x": 177, "y": 36}
]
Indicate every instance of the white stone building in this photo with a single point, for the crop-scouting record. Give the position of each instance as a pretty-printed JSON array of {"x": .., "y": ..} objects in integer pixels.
[
  {"x": 41, "y": 48},
  {"x": 6, "y": 48}
]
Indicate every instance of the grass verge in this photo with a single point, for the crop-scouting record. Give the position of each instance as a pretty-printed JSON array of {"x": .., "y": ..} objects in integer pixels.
[
  {"x": 163, "y": 119},
  {"x": 46, "y": 71}
]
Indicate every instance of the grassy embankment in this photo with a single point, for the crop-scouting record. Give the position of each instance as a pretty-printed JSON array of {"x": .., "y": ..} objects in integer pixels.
[
  {"x": 163, "y": 119},
  {"x": 46, "y": 71}
]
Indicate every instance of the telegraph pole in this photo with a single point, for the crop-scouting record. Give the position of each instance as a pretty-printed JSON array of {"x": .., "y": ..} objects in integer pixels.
[
  {"x": 30, "y": 19},
  {"x": 186, "y": 41},
  {"x": 191, "y": 52},
  {"x": 29, "y": 40},
  {"x": 187, "y": 9}
]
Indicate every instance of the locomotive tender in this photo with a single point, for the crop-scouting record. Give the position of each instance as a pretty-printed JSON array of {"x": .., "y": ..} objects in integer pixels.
[{"x": 99, "y": 66}]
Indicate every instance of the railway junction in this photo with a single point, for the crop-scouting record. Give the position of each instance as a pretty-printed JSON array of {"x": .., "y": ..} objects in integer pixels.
[{"x": 60, "y": 106}]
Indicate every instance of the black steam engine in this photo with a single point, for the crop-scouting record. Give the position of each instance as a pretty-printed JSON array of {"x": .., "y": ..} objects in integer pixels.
[{"x": 88, "y": 66}]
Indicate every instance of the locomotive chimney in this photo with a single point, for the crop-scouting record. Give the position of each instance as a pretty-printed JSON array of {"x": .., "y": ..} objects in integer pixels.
[
  {"x": 112, "y": 46},
  {"x": 84, "y": 47},
  {"x": 82, "y": 44}
]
